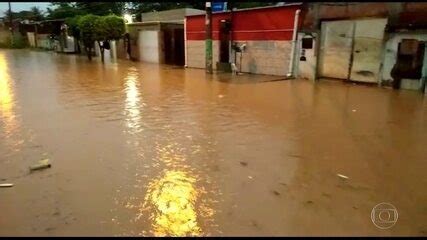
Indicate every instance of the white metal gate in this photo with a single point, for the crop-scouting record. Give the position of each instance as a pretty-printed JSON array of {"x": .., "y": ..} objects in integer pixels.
[{"x": 351, "y": 49}]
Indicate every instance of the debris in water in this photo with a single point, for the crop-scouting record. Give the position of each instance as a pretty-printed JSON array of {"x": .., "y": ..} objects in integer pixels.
[
  {"x": 244, "y": 163},
  {"x": 309, "y": 202},
  {"x": 326, "y": 195},
  {"x": 276, "y": 193},
  {"x": 41, "y": 165},
  {"x": 354, "y": 110},
  {"x": 220, "y": 96},
  {"x": 250, "y": 177},
  {"x": 342, "y": 176},
  {"x": 5, "y": 185}
]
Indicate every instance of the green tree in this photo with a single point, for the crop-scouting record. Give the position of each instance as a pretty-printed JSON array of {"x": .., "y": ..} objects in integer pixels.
[
  {"x": 101, "y": 8},
  {"x": 73, "y": 30},
  {"x": 109, "y": 28},
  {"x": 36, "y": 14},
  {"x": 87, "y": 25},
  {"x": 62, "y": 10},
  {"x": 115, "y": 26},
  {"x": 99, "y": 29}
]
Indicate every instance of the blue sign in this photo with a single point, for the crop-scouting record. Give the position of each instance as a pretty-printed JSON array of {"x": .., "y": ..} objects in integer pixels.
[{"x": 219, "y": 6}]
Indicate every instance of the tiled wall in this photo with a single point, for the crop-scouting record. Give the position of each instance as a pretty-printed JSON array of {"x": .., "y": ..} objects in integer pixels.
[{"x": 260, "y": 57}]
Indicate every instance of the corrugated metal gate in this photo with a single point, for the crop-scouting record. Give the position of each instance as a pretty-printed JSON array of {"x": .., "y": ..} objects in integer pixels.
[{"x": 351, "y": 49}]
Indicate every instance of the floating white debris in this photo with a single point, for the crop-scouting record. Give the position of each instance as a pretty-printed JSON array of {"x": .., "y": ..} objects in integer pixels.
[
  {"x": 220, "y": 96},
  {"x": 42, "y": 164},
  {"x": 250, "y": 177},
  {"x": 354, "y": 110},
  {"x": 5, "y": 185},
  {"x": 342, "y": 176}
]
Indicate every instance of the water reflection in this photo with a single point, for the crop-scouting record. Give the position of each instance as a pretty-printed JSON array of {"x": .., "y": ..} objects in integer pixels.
[
  {"x": 6, "y": 99},
  {"x": 176, "y": 202},
  {"x": 133, "y": 101},
  {"x": 173, "y": 197}
]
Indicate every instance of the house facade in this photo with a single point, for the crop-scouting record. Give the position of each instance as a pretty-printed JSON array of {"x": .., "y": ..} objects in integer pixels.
[
  {"x": 266, "y": 33},
  {"x": 159, "y": 38},
  {"x": 361, "y": 42}
]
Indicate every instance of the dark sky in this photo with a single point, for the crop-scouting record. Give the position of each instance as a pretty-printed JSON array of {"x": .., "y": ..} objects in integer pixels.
[{"x": 19, "y": 6}]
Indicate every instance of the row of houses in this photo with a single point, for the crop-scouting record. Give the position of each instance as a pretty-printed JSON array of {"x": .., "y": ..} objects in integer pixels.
[
  {"x": 358, "y": 42},
  {"x": 348, "y": 41},
  {"x": 44, "y": 34}
]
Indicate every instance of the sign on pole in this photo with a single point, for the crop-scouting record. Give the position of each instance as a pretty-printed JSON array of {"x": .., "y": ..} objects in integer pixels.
[{"x": 219, "y": 6}]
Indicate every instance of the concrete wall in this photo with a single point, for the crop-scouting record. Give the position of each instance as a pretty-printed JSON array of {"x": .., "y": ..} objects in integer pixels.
[
  {"x": 260, "y": 57},
  {"x": 196, "y": 53},
  {"x": 315, "y": 12},
  {"x": 43, "y": 41},
  {"x": 121, "y": 50},
  {"x": 265, "y": 57}
]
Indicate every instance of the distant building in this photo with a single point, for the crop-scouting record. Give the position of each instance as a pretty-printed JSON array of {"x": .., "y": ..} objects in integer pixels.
[{"x": 159, "y": 38}]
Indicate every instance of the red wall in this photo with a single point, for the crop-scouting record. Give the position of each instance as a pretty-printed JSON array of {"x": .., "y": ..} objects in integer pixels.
[{"x": 258, "y": 24}]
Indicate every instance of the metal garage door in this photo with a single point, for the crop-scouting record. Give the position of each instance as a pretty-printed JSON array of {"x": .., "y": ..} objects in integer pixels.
[
  {"x": 352, "y": 49},
  {"x": 367, "y": 50},
  {"x": 149, "y": 46},
  {"x": 335, "y": 49}
]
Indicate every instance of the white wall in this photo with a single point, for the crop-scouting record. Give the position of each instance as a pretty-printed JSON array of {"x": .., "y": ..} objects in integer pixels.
[
  {"x": 31, "y": 39},
  {"x": 306, "y": 69},
  {"x": 260, "y": 57}
]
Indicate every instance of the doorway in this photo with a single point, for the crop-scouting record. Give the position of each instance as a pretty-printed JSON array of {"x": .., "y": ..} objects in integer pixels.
[{"x": 173, "y": 39}]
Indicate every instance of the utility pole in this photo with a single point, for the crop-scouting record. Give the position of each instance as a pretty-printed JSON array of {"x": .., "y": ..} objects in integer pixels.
[
  {"x": 208, "y": 41},
  {"x": 11, "y": 24}
]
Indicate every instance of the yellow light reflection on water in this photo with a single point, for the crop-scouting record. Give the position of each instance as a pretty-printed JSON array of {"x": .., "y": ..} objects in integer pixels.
[
  {"x": 6, "y": 97},
  {"x": 5, "y": 88},
  {"x": 132, "y": 102},
  {"x": 174, "y": 197}
]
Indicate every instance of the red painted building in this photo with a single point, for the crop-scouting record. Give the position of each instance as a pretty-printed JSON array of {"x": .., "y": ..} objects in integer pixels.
[{"x": 267, "y": 33}]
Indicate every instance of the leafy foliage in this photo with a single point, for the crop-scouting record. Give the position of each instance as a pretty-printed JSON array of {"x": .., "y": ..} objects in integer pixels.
[
  {"x": 34, "y": 14},
  {"x": 101, "y": 8},
  {"x": 91, "y": 28},
  {"x": 18, "y": 42},
  {"x": 73, "y": 26},
  {"x": 114, "y": 26},
  {"x": 61, "y": 10},
  {"x": 87, "y": 25}
]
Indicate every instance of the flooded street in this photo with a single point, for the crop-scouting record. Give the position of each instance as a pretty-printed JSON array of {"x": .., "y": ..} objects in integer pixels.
[{"x": 145, "y": 149}]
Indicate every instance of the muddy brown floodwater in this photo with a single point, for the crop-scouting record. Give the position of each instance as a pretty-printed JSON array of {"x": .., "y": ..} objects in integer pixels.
[{"x": 143, "y": 149}]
